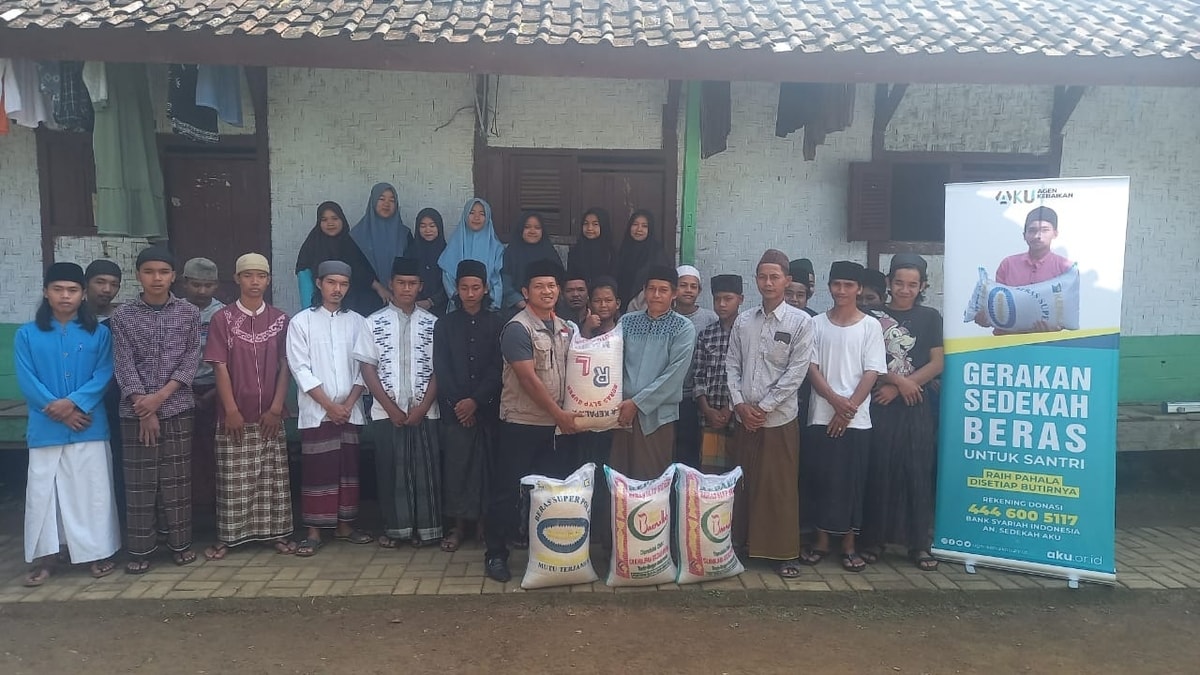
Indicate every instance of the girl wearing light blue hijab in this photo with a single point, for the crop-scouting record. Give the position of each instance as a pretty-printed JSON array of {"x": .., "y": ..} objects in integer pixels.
[
  {"x": 381, "y": 234},
  {"x": 474, "y": 239}
]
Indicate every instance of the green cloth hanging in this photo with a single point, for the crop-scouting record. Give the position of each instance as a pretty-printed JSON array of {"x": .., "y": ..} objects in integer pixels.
[{"x": 129, "y": 180}]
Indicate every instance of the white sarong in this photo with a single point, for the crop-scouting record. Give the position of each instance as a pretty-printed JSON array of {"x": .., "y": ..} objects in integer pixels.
[{"x": 69, "y": 502}]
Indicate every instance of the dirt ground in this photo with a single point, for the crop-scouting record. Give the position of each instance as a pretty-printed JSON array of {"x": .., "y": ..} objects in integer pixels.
[{"x": 1095, "y": 631}]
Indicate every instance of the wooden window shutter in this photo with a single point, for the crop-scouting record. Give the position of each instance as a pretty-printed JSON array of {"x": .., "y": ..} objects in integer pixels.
[
  {"x": 544, "y": 183},
  {"x": 870, "y": 208}
]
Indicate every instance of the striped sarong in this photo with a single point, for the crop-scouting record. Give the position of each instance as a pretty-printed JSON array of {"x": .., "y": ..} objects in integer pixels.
[
  {"x": 254, "y": 499},
  {"x": 408, "y": 467},
  {"x": 329, "y": 474}
]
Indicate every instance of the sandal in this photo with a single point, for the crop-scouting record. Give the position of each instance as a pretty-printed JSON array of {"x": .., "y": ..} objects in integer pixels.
[
  {"x": 416, "y": 542},
  {"x": 308, "y": 547},
  {"x": 451, "y": 542},
  {"x": 923, "y": 560},
  {"x": 216, "y": 552},
  {"x": 788, "y": 569},
  {"x": 185, "y": 557},
  {"x": 138, "y": 565},
  {"x": 103, "y": 568},
  {"x": 386, "y": 541},
  {"x": 812, "y": 556},
  {"x": 37, "y": 576},
  {"x": 871, "y": 554},
  {"x": 355, "y": 537},
  {"x": 283, "y": 546},
  {"x": 853, "y": 562}
]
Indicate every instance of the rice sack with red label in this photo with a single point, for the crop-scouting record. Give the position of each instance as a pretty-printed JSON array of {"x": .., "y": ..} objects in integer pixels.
[
  {"x": 641, "y": 530},
  {"x": 594, "y": 372},
  {"x": 560, "y": 529},
  {"x": 704, "y": 525},
  {"x": 1019, "y": 308}
]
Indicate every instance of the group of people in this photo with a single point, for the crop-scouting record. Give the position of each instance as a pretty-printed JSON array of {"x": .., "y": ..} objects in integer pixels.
[{"x": 453, "y": 359}]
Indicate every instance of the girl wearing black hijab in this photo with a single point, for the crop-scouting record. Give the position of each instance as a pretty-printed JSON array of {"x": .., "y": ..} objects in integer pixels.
[
  {"x": 330, "y": 240},
  {"x": 427, "y": 247},
  {"x": 529, "y": 245},
  {"x": 592, "y": 256},
  {"x": 640, "y": 251}
]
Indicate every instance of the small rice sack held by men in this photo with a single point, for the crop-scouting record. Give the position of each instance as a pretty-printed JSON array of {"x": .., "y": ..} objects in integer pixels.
[{"x": 594, "y": 374}]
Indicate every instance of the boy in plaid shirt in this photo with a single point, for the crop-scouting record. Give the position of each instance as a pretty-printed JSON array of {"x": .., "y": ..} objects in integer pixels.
[{"x": 711, "y": 390}]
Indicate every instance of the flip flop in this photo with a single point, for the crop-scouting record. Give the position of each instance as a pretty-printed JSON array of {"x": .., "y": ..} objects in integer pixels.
[
  {"x": 788, "y": 569},
  {"x": 813, "y": 556},
  {"x": 137, "y": 566},
  {"x": 102, "y": 569},
  {"x": 355, "y": 537},
  {"x": 216, "y": 552},
  {"x": 308, "y": 547},
  {"x": 853, "y": 562},
  {"x": 871, "y": 554},
  {"x": 185, "y": 557},
  {"x": 451, "y": 542},
  {"x": 37, "y": 576},
  {"x": 386, "y": 541},
  {"x": 283, "y": 546},
  {"x": 923, "y": 560}
]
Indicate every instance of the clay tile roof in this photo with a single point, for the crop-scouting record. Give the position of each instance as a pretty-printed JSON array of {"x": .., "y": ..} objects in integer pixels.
[{"x": 1109, "y": 28}]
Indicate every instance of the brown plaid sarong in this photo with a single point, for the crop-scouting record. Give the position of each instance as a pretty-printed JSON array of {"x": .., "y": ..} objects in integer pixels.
[
  {"x": 160, "y": 472},
  {"x": 254, "y": 498}
]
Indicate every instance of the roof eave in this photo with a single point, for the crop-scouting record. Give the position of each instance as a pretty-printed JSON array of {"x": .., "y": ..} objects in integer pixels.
[{"x": 576, "y": 60}]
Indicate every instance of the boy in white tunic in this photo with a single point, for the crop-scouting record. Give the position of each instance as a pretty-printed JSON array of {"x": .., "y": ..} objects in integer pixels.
[{"x": 64, "y": 365}]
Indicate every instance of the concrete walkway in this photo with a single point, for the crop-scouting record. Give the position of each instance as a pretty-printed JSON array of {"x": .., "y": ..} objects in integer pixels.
[{"x": 1147, "y": 558}]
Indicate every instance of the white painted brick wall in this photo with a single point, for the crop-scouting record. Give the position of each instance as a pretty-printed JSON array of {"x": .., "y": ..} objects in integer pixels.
[
  {"x": 121, "y": 250},
  {"x": 20, "y": 227},
  {"x": 335, "y": 133},
  {"x": 760, "y": 193},
  {"x": 1152, "y": 136},
  {"x": 971, "y": 118},
  {"x": 579, "y": 113}
]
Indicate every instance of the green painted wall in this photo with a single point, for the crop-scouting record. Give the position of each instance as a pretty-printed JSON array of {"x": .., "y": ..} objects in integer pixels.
[
  {"x": 8, "y": 375},
  {"x": 1160, "y": 368}
]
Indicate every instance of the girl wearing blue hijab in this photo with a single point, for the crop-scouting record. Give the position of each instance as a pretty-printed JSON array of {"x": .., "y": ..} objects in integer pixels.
[
  {"x": 380, "y": 233},
  {"x": 474, "y": 239}
]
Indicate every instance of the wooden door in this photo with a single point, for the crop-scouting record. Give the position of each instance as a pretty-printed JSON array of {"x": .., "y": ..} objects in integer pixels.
[
  {"x": 623, "y": 189},
  {"x": 212, "y": 211}
]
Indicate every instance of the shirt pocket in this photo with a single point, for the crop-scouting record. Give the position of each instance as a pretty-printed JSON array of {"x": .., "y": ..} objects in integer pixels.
[
  {"x": 778, "y": 354},
  {"x": 543, "y": 350}
]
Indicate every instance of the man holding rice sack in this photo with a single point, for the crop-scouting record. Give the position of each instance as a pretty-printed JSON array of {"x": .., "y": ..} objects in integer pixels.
[
  {"x": 658, "y": 350},
  {"x": 769, "y": 352},
  {"x": 533, "y": 383}
]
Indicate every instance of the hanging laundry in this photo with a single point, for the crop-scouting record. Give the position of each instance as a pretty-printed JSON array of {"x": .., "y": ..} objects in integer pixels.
[
  {"x": 28, "y": 107},
  {"x": 96, "y": 82},
  {"x": 220, "y": 88},
  {"x": 62, "y": 81},
  {"x": 188, "y": 119},
  {"x": 820, "y": 109},
  {"x": 129, "y": 181},
  {"x": 715, "y": 117},
  {"x": 10, "y": 96}
]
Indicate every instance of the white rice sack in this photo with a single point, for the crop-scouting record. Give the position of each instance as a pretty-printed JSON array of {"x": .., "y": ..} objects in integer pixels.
[
  {"x": 594, "y": 373},
  {"x": 704, "y": 525},
  {"x": 1018, "y": 308},
  {"x": 641, "y": 530},
  {"x": 560, "y": 530}
]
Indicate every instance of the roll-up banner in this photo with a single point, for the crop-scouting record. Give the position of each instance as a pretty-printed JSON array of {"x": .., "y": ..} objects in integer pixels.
[{"x": 1028, "y": 435}]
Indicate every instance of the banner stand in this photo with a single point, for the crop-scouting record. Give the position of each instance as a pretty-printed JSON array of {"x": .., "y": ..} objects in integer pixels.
[{"x": 1027, "y": 437}]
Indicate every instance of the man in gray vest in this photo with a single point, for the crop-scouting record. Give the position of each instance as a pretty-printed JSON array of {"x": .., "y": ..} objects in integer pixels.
[{"x": 533, "y": 382}]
